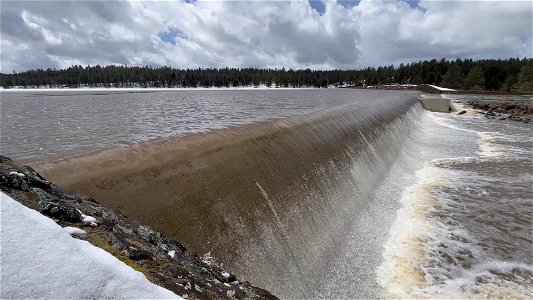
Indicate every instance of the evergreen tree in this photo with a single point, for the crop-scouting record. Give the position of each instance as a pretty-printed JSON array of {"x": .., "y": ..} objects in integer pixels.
[
  {"x": 525, "y": 79},
  {"x": 510, "y": 83},
  {"x": 498, "y": 73},
  {"x": 453, "y": 78},
  {"x": 475, "y": 80}
]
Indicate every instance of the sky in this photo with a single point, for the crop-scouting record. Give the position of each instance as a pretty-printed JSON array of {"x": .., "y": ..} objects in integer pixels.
[{"x": 266, "y": 34}]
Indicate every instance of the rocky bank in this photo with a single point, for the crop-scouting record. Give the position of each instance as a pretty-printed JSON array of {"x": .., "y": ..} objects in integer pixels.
[
  {"x": 516, "y": 110},
  {"x": 163, "y": 261}
]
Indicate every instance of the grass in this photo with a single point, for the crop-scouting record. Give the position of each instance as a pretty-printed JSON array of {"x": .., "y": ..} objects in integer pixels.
[{"x": 104, "y": 244}]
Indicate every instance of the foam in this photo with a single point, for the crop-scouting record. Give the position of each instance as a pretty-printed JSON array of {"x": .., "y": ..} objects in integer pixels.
[
  {"x": 487, "y": 140},
  {"x": 414, "y": 265},
  {"x": 431, "y": 254},
  {"x": 399, "y": 273},
  {"x": 485, "y": 281}
]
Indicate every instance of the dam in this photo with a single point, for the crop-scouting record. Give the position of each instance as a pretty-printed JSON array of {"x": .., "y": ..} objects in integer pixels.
[{"x": 309, "y": 194}]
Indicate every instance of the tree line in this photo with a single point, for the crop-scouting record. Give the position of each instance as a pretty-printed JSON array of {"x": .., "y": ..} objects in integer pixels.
[{"x": 512, "y": 74}]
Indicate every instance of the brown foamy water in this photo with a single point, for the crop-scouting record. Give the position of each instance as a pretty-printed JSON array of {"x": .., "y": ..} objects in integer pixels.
[{"x": 465, "y": 228}]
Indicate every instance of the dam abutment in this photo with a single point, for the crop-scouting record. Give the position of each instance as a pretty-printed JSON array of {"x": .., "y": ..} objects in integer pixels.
[{"x": 435, "y": 103}]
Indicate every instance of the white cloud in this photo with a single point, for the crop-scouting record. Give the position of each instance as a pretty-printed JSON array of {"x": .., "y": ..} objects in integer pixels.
[
  {"x": 393, "y": 31},
  {"x": 258, "y": 33}
]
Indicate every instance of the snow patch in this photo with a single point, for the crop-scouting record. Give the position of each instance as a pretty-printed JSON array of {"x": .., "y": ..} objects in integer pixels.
[
  {"x": 140, "y": 89},
  {"x": 41, "y": 260},
  {"x": 74, "y": 230},
  {"x": 88, "y": 220},
  {"x": 225, "y": 275},
  {"x": 171, "y": 253},
  {"x": 442, "y": 89},
  {"x": 17, "y": 174}
]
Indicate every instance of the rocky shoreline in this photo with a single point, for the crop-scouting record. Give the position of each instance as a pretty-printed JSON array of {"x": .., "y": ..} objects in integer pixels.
[
  {"x": 163, "y": 261},
  {"x": 516, "y": 110}
]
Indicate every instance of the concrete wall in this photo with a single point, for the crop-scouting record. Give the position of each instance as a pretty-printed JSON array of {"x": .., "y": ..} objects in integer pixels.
[{"x": 436, "y": 104}]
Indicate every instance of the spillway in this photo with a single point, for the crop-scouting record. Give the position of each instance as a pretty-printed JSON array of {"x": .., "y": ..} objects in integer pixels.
[
  {"x": 273, "y": 201},
  {"x": 313, "y": 205}
]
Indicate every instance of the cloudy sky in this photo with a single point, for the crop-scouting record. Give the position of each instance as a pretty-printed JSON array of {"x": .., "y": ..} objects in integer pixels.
[{"x": 298, "y": 34}]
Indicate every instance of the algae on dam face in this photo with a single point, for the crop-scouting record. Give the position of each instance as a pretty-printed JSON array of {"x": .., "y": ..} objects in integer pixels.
[{"x": 271, "y": 200}]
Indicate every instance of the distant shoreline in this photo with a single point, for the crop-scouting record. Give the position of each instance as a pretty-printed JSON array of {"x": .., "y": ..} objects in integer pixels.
[
  {"x": 97, "y": 89},
  {"x": 425, "y": 88},
  {"x": 430, "y": 89}
]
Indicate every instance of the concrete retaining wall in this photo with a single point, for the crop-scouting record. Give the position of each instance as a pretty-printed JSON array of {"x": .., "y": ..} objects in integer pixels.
[{"x": 436, "y": 104}]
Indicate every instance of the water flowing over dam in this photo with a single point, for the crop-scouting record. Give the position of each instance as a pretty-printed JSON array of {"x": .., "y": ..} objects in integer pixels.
[{"x": 323, "y": 203}]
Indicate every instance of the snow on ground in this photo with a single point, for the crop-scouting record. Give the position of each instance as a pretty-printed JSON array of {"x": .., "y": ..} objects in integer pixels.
[
  {"x": 74, "y": 230},
  {"x": 149, "y": 89},
  {"x": 88, "y": 220},
  {"x": 17, "y": 173},
  {"x": 442, "y": 89},
  {"x": 39, "y": 259}
]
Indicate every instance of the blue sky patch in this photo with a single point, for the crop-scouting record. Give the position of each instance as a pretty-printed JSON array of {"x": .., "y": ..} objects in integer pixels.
[
  {"x": 348, "y": 3},
  {"x": 170, "y": 35},
  {"x": 412, "y": 3},
  {"x": 318, "y": 6}
]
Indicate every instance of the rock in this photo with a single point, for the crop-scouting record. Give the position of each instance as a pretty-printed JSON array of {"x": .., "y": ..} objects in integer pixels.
[
  {"x": 60, "y": 210},
  {"x": 127, "y": 247},
  {"x": 35, "y": 180},
  {"x": 43, "y": 196},
  {"x": 462, "y": 112},
  {"x": 516, "y": 110},
  {"x": 198, "y": 289},
  {"x": 178, "y": 271},
  {"x": 12, "y": 179},
  {"x": 148, "y": 234}
]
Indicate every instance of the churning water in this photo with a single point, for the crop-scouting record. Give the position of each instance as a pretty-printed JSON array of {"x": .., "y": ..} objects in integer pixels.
[
  {"x": 346, "y": 194},
  {"x": 465, "y": 226}
]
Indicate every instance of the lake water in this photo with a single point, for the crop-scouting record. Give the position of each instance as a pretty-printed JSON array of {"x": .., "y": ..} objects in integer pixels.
[{"x": 38, "y": 126}]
